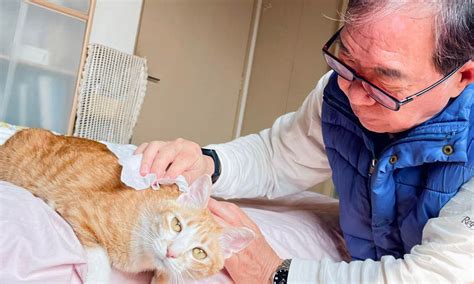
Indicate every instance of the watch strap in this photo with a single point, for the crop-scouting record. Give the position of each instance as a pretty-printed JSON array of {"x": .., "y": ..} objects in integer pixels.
[{"x": 217, "y": 163}]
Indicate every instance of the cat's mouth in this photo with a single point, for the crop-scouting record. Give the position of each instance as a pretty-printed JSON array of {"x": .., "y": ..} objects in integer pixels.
[
  {"x": 171, "y": 265},
  {"x": 160, "y": 256},
  {"x": 160, "y": 259},
  {"x": 160, "y": 262},
  {"x": 165, "y": 262}
]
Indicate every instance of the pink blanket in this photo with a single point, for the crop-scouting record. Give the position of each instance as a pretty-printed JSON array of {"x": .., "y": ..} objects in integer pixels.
[{"x": 37, "y": 245}]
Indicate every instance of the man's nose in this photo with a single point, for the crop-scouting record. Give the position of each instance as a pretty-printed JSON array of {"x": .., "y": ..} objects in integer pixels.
[{"x": 356, "y": 93}]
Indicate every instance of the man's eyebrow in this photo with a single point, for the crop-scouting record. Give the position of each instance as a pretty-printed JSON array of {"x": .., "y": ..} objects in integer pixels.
[
  {"x": 389, "y": 72},
  {"x": 382, "y": 71},
  {"x": 342, "y": 46}
]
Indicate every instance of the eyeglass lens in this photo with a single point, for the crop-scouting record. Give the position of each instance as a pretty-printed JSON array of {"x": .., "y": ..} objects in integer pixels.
[{"x": 347, "y": 74}]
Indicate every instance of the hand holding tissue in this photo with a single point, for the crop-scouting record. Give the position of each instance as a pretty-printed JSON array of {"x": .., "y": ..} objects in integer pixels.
[{"x": 131, "y": 170}]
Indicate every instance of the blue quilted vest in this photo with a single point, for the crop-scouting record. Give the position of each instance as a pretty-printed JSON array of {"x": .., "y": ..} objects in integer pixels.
[{"x": 386, "y": 198}]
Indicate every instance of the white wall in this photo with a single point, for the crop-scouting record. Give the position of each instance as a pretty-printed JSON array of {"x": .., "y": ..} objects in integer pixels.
[{"x": 115, "y": 23}]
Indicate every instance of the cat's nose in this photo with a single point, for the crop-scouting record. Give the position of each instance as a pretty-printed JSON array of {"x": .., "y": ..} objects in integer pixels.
[{"x": 170, "y": 253}]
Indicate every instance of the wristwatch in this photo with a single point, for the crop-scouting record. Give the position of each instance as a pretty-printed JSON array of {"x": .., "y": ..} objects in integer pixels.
[
  {"x": 280, "y": 276},
  {"x": 217, "y": 163}
]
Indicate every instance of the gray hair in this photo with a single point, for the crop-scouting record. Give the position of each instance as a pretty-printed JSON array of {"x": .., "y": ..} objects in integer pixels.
[{"x": 454, "y": 26}]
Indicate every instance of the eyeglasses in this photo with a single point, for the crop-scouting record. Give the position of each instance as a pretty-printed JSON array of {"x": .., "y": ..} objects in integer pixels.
[{"x": 376, "y": 93}]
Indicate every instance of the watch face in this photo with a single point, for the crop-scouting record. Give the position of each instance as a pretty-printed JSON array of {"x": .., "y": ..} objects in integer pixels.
[{"x": 280, "y": 276}]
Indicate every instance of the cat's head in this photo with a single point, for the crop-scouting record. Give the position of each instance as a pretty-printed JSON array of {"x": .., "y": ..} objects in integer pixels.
[{"x": 186, "y": 239}]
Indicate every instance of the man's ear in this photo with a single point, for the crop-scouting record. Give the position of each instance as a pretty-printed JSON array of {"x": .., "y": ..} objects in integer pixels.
[{"x": 467, "y": 75}]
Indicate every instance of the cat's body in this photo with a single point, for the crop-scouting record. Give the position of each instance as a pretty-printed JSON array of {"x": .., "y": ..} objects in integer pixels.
[{"x": 133, "y": 230}]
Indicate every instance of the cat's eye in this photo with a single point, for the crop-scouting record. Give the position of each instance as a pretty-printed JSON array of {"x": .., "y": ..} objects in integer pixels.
[
  {"x": 199, "y": 253},
  {"x": 176, "y": 225}
]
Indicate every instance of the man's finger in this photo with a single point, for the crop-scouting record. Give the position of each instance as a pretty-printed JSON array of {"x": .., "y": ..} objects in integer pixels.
[
  {"x": 162, "y": 161},
  {"x": 232, "y": 261},
  {"x": 140, "y": 148},
  {"x": 221, "y": 222},
  {"x": 214, "y": 206},
  {"x": 225, "y": 211},
  {"x": 149, "y": 155},
  {"x": 180, "y": 164}
]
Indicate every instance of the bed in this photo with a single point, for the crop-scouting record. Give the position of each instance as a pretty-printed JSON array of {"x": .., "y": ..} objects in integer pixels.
[{"x": 37, "y": 245}]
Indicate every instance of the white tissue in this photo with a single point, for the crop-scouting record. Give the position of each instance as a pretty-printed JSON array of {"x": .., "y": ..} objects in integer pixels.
[{"x": 131, "y": 170}]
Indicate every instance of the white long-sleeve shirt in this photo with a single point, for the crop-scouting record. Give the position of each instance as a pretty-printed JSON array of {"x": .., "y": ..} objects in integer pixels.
[{"x": 290, "y": 157}]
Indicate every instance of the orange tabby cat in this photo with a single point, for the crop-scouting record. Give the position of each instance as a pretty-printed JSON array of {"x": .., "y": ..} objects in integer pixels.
[{"x": 171, "y": 233}]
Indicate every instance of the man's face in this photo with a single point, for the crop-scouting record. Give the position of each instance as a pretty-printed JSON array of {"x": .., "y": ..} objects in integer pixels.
[{"x": 396, "y": 54}]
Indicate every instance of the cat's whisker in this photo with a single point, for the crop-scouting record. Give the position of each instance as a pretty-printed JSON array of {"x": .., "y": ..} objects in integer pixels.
[
  {"x": 144, "y": 233},
  {"x": 179, "y": 279},
  {"x": 171, "y": 272},
  {"x": 179, "y": 274},
  {"x": 174, "y": 272},
  {"x": 173, "y": 279},
  {"x": 190, "y": 275}
]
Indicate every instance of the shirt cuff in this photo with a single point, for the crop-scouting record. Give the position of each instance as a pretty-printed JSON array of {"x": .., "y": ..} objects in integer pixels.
[{"x": 303, "y": 271}]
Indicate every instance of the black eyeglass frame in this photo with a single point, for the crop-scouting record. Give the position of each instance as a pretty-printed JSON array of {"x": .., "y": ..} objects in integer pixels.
[{"x": 356, "y": 76}]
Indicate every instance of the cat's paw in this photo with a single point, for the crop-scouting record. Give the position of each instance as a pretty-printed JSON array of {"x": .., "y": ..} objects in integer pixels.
[{"x": 98, "y": 266}]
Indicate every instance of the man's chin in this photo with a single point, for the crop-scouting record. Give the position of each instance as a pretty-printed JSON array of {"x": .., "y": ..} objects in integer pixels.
[
  {"x": 377, "y": 128},
  {"x": 381, "y": 128}
]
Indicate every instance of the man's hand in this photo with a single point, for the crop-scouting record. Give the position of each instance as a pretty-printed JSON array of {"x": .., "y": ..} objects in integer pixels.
[
  {"x": 174, "y": 158},
  {"x": 257, "y": 262}
]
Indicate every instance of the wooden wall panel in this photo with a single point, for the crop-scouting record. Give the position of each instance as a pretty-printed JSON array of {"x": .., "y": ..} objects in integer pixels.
[
  {"x": 288, "y": 60},
  {"x": 198, "y": 50}
]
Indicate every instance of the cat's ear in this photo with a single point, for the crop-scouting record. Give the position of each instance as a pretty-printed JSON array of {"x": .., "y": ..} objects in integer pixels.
[
  {"x": 198, "y": 193},
  {"x": 235, "y": 239}
]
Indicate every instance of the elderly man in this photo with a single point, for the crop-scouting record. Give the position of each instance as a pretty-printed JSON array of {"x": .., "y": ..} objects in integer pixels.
[{"x": 393, "y": 123}]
